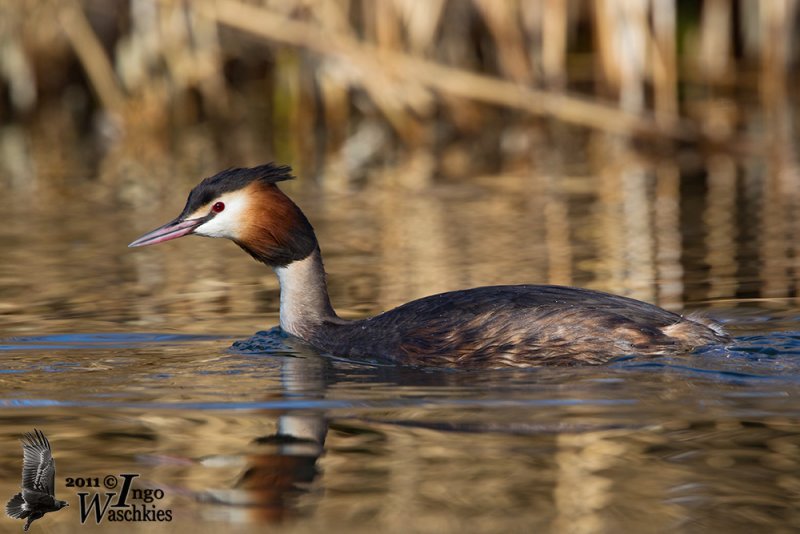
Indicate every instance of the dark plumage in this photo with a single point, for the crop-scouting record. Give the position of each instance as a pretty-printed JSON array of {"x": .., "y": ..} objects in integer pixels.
[
  {"x": 38, "y": 481},
  {"x": 517, "y": 326},
  {"x": 522, "y": 325}
]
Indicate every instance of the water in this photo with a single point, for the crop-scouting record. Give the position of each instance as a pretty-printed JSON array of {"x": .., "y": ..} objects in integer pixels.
[{"x": 123, "y": 358}]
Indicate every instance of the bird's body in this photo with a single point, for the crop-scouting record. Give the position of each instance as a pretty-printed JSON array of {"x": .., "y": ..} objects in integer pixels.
[
  {"x": 38, "y": 482},
  {"x": 514, "y": 326},
  {"x": 497, "y": 326}
]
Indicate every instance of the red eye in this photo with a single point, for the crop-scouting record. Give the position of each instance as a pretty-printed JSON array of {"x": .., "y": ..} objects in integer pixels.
[{"x": 218, "y": 207}]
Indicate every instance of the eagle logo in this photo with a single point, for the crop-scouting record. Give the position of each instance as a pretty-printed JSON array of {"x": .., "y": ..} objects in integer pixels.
[{"x": 38, "y": 495}]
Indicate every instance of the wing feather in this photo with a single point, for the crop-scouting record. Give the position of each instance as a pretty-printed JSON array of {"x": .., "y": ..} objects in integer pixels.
[{"x": 38, "y": 466}]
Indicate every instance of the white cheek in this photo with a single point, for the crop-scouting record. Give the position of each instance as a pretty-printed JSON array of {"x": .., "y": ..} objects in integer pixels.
[{"x": 226, "y": 223}]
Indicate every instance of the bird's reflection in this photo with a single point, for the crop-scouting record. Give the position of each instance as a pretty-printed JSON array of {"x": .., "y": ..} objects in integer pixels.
[
  {"x": 285, "y": 467},
  {"x": 277, "y": 482},
  {"x": 274, "y": 480}
]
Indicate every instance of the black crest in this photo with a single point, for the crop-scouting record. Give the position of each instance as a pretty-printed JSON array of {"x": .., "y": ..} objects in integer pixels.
[{"x": 233, "y": 180}]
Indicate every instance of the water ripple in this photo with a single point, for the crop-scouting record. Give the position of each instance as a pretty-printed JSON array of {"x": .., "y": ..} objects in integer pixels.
[{"x": 97, "y": 341}]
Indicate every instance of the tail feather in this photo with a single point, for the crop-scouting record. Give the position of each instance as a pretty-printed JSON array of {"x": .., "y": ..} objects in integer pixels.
[
  {"x": 16, "y": 507},
  {"x": 714, "y": 326},
  {"x": 696, "y": 330}
]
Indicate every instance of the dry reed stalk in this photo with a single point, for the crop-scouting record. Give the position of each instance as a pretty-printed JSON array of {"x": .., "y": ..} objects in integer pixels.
[
  {"x": 502, "y": 19},
  {"x": 404, "y": 102},
  {"x": 422, "y": 22},
  {"x": 714, "y": 55},
  {"x": 554, "y": 43},
  {"x": 296, "y": 101},
  {"x": 334, "y": 97},
  {"x": 16, "y": 70},
  {"x": 665, "y": 61},
  {"x": 401, "y": 102},
  {"x": 776, "y": 22},
  {"x": 388, "y": 29},
  {"x": 606, "y": 74},
  {"x": 92, "y": 56},
  {"x": 197, "y": 56},
  {"x": 621, "y": 27},
  {"x": 442, "y": 78},
  {"x": 335, "y": 102}
]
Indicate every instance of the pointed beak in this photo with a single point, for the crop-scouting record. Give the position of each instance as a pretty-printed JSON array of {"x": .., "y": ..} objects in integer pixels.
[{"x": 171, "y": 230}]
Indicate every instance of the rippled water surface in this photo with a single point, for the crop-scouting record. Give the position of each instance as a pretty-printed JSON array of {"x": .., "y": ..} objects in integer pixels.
[{"x": 123, "y": 358}]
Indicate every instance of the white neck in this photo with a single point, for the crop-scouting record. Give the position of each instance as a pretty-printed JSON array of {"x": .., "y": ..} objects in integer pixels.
[{"x": 304, "y": 295}]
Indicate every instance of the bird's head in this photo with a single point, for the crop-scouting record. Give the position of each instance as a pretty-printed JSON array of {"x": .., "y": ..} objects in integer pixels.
[{"x": 245, "y": 206}]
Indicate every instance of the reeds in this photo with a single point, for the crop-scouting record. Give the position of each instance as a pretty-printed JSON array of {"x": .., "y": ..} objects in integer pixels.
[
  {"x": 404, "y": 92},
  {"x": 426, "y": 74}
]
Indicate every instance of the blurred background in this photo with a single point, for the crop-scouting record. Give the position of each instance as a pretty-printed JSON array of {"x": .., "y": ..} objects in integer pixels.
[{"x": 642, "y": 147}]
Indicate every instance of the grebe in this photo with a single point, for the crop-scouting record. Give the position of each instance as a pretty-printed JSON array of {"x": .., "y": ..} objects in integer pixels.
[{"x": 499, "y": 326}]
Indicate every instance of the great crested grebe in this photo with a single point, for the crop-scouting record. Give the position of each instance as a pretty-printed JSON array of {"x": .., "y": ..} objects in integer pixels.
[{"x": 498, "y": 326}]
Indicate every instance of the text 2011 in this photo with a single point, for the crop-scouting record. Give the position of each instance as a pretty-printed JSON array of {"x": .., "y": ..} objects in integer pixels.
[{"x": 83, "y": 482}]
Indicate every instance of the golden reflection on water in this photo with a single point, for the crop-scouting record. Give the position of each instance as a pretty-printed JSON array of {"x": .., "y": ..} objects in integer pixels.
[
  {"x": 633, "y": 226},
  {"x": 381, "y": 449},
  {"x": 222, "y": 469}
]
